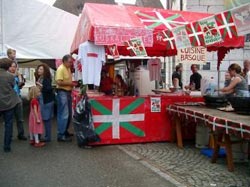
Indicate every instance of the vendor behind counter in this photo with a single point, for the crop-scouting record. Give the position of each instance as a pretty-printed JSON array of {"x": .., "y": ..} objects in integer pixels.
[{"x": 106, "y": 85}]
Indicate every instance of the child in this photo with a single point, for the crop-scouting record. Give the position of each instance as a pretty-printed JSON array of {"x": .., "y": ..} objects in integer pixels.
[{"x": 35, "y": 120}]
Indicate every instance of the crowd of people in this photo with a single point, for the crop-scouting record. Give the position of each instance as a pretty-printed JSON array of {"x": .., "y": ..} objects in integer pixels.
[
  {"x": 42, "y": 98},
  {"x": 237, "y": 79}
]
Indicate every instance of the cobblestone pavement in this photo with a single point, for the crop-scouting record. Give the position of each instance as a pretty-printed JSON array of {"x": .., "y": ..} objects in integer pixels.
[{"x": 188, "y": 166}]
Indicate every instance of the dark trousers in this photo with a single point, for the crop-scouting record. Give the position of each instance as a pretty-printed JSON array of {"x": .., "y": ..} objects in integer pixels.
[
  {"x": 8, "y": 126},
  {"x": 18, "y": 112},
  {"x": 47, "y": 127}
]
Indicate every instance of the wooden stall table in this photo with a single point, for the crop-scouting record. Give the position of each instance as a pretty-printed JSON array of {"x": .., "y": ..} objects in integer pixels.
[{"x": 222, "y": 124}]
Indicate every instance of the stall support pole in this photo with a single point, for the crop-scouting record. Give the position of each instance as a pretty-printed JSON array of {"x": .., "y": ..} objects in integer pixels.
[
  {"x": 218, "y": 79},
  {"x": 2, "y": 26}
]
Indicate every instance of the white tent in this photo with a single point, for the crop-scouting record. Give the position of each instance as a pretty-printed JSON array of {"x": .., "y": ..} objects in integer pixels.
[{"x": 36, "y": 30}]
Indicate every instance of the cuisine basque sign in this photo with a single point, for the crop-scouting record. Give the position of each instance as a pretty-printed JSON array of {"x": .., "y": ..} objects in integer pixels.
[{"x": 194, "y": 55}]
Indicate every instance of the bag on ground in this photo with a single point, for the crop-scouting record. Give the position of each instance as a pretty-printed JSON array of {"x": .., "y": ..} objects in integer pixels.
[{"x": 83, "y": 123}]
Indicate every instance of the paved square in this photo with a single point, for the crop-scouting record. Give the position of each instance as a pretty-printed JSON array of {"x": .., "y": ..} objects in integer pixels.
[{"x": 189, "y": 167}]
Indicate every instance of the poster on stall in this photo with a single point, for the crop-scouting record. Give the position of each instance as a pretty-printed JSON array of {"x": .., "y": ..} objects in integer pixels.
[
  {"x": 137, "y": 46},
  {"x": 211, "y": 31},
  {"x": 241, "y": 16},
  {"x": 114, "y": 51},
  {"x": 193, "y": 55},
  {"x": 181, "y": 37},
  {"x": 155, "y": 104}
]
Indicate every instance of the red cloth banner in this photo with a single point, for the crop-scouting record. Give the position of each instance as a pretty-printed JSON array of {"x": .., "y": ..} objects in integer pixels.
[{"x": 115, "y": 35}]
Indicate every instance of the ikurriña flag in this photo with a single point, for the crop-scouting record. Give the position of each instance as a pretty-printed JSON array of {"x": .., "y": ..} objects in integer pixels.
[
  {"x": 195, "y": 34},
  {"x": 160, "y": 20},
  {"x": 116, "y": 118},
  {"x": 226, "y": 25}
]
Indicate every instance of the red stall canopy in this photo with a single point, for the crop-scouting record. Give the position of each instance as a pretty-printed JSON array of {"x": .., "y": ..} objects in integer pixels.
[{"x": 114, "y": 24}]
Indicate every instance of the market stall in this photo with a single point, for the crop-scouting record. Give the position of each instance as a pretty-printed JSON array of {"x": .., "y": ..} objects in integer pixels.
[{"x": 131, "y": 119}]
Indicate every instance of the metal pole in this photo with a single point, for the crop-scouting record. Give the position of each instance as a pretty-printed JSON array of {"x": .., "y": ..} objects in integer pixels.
[
  {"x": 218, "y": 78},
  {"x": 181, "y": 5},
  {"x": 2, "y": 28},
  {"x": 218, "y": 70}
]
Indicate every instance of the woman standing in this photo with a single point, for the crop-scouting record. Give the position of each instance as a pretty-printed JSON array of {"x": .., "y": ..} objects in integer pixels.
[
  {"x": 238, "y": 85},
  {"x": 46, "y": 100}
]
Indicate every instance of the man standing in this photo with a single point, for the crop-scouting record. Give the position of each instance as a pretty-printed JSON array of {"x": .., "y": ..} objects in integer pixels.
[
  {"x": 18, "y": 111},
  {"x": 195, "y": 79},
  {"x": 246, "y": 72},
  {"x": 176, "y": 77},
  {"x": 64, "y": 100},
  {"x": 8, "y": 101}
]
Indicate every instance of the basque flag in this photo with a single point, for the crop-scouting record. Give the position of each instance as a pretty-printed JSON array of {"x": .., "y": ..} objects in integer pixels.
[
  {"x": 160, "y": 20},
  {"x": 226, "y": 25},
  {"x": 195, "y": 34}
]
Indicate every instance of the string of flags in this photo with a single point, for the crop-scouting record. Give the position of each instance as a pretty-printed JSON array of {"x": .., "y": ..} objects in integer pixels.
[
  {"x": 172, "y": 31},
  {"x": 222, "y": 26}
]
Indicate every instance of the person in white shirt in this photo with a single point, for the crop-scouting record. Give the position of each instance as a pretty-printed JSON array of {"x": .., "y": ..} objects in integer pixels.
[{"x": 246, "y": 72}]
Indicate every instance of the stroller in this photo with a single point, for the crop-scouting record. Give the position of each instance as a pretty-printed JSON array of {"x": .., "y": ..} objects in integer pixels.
[{"x": 83, "y": 123}]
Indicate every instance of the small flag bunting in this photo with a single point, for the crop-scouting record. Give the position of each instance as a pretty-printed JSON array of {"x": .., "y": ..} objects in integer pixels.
[
  {"x": 226, "y": 25},
  {"x": 181, "y": 37},
  {"x": 210, "y": 30},
  {"x": 195, "y": 34},
  {"x": 137, "y": 46}
]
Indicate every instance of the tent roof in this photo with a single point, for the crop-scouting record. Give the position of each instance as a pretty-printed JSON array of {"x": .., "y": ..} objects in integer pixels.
[
  {"x": 36, "y": 30},
  {"x": 109, "y": 24}
]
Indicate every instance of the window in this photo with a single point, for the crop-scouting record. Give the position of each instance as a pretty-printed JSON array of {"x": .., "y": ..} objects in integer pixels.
[{"x": 206, "y": 66}]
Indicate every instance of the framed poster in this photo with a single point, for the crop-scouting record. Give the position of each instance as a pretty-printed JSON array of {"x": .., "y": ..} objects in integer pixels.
[{"x": 155, "y": 103}]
